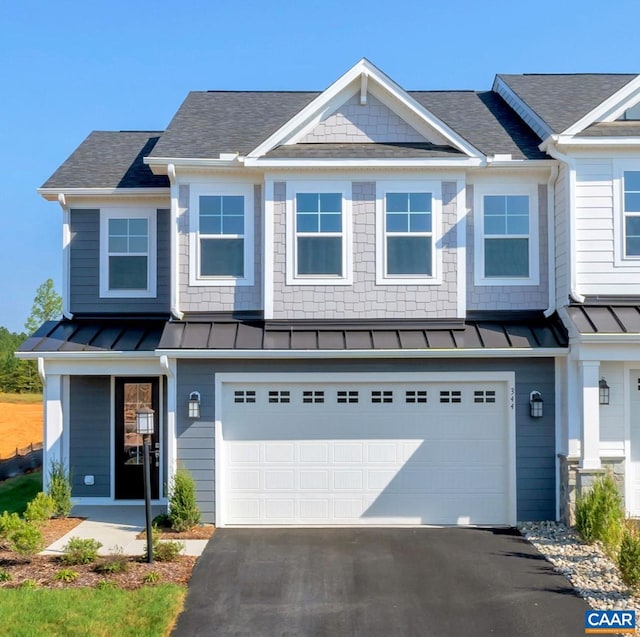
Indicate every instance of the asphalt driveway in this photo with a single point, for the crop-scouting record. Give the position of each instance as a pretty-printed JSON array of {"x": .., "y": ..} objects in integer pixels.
[{"x": 369, "y": 582}]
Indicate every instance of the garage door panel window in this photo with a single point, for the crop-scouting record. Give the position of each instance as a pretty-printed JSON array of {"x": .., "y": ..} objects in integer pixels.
[
  {"x": 450, "y": 396},
  {"x": 416, "y": 396}
]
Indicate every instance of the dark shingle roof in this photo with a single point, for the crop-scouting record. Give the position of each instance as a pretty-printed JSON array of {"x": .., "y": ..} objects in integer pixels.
[
  {"x": 561, "y": 100},
  {"x": 363, "y": 150},
  {"x": 109, "y": 160},
  {"x": 212, "y": 122},
  {"x": 612, "y": 129}
]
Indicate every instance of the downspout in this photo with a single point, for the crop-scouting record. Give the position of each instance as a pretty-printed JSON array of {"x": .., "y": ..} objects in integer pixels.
[
  {"x": 173, "y": 241},
  {"x": 551, "y": 239},
  {"x": 41, "y": 372},
  {"x": 551, "y": 149},
  {"x": 66, "y": 257}
]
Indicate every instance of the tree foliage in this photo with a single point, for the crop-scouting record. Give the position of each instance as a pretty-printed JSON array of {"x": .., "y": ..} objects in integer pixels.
[{"x": 47, "y": 306}]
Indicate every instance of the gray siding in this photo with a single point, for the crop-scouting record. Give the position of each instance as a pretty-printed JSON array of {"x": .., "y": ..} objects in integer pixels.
[
  {"x": 85, "y": 268},
  {"x": 365, "y": 299},
  {"x": 535, "y": 438},
  {"x": 89, "y": 435},
  {"x": 509, "y": 297},
  {"x": 211, "y": 298}
]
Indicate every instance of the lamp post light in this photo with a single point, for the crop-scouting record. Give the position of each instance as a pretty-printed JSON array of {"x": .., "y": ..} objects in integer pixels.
[{"x": 144, "y": 427}]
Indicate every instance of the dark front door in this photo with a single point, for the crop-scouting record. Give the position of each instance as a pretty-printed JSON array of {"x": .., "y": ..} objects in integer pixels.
[{"x": 131, "y": 395}]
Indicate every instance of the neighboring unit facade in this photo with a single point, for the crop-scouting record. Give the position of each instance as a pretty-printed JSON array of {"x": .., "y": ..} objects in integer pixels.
[{"x": 360, "y": 306}]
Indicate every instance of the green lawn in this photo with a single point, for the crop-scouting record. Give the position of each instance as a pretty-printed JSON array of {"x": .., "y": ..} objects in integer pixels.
[
  {"x": 15, "y": 493},
  {"x": 150, "y": 610},
  {"x": 20, "y": 398}
]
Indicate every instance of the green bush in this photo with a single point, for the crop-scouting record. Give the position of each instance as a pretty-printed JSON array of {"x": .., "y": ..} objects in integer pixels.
[
  {"x": 9, "y": 522},
  {"x": 66, "y": 575},
  {"x": 183, "y": 509},
  {"x": 629, "y": 555},
  {"x": 163, "y": 551},
  {"x": 80, "y": 551},
  {"x": 599, "y": 513},
  {"x": 152, "y": 577},
  {"x": 5, "y": 575},
  {"x": 40, "y": 509},
  {"x": 60, "y": 489},
  {"x": 27, "y": 539},
  {"x": 115, "y": 562}
]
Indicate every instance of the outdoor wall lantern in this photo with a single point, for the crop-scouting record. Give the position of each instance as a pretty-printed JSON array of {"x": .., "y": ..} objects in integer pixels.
[
  {"x": 144, "y": 427},
  {"x": 194, "y": 404},
  {"x": 536, "y": 404},
  {"x": 603, "y": 391}
]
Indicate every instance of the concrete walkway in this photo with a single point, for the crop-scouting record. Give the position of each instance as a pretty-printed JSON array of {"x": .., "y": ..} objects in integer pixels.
[{"x": 115, "y": 526}]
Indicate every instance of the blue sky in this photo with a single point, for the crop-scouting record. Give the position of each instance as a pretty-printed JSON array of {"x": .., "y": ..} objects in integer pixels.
[{"x": 69, "y": 67}]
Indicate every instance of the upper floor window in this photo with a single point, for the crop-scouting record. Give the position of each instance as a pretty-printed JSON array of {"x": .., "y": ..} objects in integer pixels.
[
  {"x": 127, "y": 253},
  {"x": 318, "y": 236},
  {"x": 506, "y": 241},
  {"x": 408, "y": 234},
  {"x": 222, "y": 236},
  {"x": 631, "y": 213},
  {"x": 407, "y": 222}
]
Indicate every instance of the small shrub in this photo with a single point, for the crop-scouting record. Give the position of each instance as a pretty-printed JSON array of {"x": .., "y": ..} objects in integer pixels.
[
  {"x": 29, "y": 584},
  {"x": 167, "y": 551},
  {"x": 66, "y": 575},
  {"x": 599, "y": 513},
  {"x": 152, "y": 577},
  {"x": 80, "y": 551},
  {"x": 9, "y": 522},
  {"x": 629, "y": 555},
  {"x": 161, "y": 520},
  {"x": 40, "y": 509},
  {"x": 60, "y": 489},
  {"x": 183, "y": 509},
  {"x": 105, "y": 584},
  {"x": 5, "y": 575},
  {"x": 115, "y": 562},
  {"x": 27, "y": 540}
]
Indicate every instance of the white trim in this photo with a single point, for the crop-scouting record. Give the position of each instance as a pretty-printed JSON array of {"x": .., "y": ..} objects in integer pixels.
[
  {"x": 320, "y": 186},
  {"x": 174, "y": 249},
  {"x": 152, "y": 251},
  {"x": 432, "y": 187},
  {"x": 171, "y": 383},
  {"x": 51, "y": 194},
  {"x": 435, "y": 162},
  {"x": 109, "y": 501},
  {"x": 268, "y": 249},
  {"x": 366, "y": 377},
  {"x": 241, "y": 189},
  {"x": 613, "y": 142},
  {"x": 112, "y": 437},
  {"x": 481, "y": 190},
  {"x": 620, "y": 166},
  {"x": 342, "y": 84},
  {"x": 66, "y": 416},
  {"x": 607, "y": 107},
  {"x": 505, "y": 91},
  {"x": 589, "y": 372},
  {"x": 66, "y": 257},
  {"x": 461, "y": 248}
]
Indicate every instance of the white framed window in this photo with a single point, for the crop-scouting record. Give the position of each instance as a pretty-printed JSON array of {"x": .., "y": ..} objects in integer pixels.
[
  {"x": 221, "y": 235},
  {"x": 631, "y": 212},
  {"x": 408, "y": 221},
  {"x": 127, "y": 253},
  {"x": 319, "y": 233},
  {"x": 506, "y": 235}
]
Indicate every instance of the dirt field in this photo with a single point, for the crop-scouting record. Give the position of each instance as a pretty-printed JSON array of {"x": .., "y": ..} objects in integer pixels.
[{"x": 20, "y": 425}]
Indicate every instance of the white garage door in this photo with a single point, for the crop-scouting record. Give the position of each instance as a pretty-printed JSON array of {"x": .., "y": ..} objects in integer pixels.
[{"x": 364, "y": 453}]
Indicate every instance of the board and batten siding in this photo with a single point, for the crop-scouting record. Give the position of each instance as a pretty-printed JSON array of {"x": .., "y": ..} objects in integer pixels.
[
  {"x": 90, "y": 435},
  {"x": 596, "y": 270},
  {"x": 535, "y": 438},
  {"x": 84, "y": 274}
]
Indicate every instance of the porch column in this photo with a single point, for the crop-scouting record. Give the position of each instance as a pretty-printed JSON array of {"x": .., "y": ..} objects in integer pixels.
[
  {"x": 53, "y": 425},
  {"x": 590, "y": 456}
]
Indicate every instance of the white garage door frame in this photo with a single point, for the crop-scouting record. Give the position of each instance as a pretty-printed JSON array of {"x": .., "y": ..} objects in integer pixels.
[{"x": 263, "y": 378}]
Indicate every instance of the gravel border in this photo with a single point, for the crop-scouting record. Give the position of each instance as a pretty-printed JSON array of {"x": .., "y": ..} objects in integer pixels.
[{"x": 593, "y": 575}]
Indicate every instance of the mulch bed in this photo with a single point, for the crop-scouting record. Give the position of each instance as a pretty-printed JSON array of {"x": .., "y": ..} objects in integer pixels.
[
  {"x": 42, "y": 569},
  {"x": 200, "y": 532}
]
